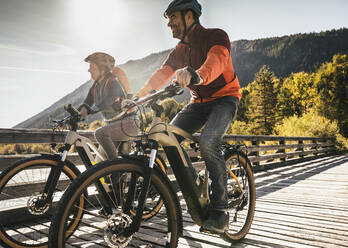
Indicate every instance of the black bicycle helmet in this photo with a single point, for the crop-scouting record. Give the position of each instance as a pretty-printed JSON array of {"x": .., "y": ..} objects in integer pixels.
[{"x": 182, "y": 5}]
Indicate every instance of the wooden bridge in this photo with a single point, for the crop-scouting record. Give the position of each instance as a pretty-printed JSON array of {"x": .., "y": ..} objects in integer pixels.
[{"x": 301, "y": 188}]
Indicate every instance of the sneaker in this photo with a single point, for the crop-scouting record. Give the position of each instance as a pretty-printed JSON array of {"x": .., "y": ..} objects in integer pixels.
[{"x": 217, "y": 222}]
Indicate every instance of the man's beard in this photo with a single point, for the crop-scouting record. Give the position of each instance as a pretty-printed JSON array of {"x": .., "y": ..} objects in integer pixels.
[{"x": 176, "y": 32}]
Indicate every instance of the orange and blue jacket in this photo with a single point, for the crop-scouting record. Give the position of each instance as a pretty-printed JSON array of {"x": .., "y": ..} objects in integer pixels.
[{"x": 208, "y": 52}]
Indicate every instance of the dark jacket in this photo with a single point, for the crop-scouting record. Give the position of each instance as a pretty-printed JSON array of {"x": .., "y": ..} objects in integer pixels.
[{"x": 103, "y": 94}]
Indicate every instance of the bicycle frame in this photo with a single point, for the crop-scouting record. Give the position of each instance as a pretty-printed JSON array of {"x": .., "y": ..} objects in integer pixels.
[
  {"x": 84, "y": 144},
  {"x": 196, "y": 197},
  {"x": 84, "y": 147}
]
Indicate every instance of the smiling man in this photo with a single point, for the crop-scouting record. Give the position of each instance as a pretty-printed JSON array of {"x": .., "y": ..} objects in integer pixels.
[{"x": 201, "y": 61}]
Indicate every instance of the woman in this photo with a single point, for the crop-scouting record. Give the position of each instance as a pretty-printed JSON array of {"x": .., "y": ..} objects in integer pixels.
[{"x": 105, "y": 90}]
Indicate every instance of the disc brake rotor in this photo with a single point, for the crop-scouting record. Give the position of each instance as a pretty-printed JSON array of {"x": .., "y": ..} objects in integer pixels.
[
  {"x": 114, "y": 230},
  {"x": 35, "y": 204}
]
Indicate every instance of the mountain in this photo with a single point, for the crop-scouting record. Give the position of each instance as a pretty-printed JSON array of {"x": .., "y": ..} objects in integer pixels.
[
  {"x": 287, "y": 54},
  {"x": 284, "y": 55},
  {"x": 56, "y": 110}
]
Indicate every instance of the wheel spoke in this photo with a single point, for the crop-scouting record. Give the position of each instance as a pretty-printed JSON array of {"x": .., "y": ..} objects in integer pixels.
[
  {"x": 113, "y": 229},
  {"x": 21, "y": 185}
]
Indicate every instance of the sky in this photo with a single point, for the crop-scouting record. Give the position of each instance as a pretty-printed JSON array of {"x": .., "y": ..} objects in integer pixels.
[{"x": 43, "y": 42}]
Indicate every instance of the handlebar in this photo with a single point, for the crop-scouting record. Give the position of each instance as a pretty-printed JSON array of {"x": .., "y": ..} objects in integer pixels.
[
  {"x": 75, "y": 115},
  {"x": 71, "y": 110},
  {"x": 169, "y": 91},
  {"x": 72, "y": 119}
]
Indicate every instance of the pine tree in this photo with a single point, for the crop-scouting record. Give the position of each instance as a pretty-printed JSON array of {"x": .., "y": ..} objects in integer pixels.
[
  {"x": 243, "y": 104},
  {"x": 261, "y": 111}
]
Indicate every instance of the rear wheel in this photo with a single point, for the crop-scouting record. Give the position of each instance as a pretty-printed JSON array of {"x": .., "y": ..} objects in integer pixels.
[
  {"x": 97, "y": 228},
  {"x": 242, "y": 195},
  {"x": 25, "y": 220}
]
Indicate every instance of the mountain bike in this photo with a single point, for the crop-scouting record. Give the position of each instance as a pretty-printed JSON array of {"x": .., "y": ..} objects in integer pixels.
[
  {"x": 123, "y": 229},
  {"x": 36, "y": 184}
]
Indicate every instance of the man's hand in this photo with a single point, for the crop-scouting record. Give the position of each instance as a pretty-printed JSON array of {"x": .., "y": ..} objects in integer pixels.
[
  {"x": 125, "y": 105},
  {"x": 183, "y": 77},
  {"x": 187, "y": 76},
  {"x": 122, "y": 104}
]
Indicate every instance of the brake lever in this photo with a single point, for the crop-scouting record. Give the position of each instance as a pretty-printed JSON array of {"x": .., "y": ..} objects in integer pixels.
[
  {"x": 174, "y": 89},
  {"x": 58, "y": 123}
]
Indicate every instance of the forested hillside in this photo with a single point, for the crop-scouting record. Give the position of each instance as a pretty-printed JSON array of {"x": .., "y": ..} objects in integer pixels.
[
  {"x": 282, "y": 55},
  {"x": 287, "y": 54}
]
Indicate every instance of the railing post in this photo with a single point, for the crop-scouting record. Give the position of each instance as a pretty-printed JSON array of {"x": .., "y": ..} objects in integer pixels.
[
  {"x": 315, "y": 147},
  {"x": 324, "y": 141},
  {"x": 282, "y": 142},
  {"x": 256, "y": 153},
  {"x": 300, "y": 147}
]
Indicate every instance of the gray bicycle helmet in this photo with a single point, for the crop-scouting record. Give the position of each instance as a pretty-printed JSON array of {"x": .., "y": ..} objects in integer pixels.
[
  {"x": 182, "y": 5},
  {"x": 102, "y": 60}
]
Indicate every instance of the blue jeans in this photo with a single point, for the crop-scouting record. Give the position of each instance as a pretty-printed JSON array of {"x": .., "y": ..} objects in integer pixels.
[{"x": 216, "y": 117}]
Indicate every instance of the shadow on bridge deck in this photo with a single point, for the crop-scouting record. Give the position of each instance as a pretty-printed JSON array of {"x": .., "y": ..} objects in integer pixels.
[{"x": 299, "y": 205}]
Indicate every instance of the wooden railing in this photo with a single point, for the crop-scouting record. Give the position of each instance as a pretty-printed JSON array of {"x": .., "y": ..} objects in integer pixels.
[{"x": 262, "y": 150}]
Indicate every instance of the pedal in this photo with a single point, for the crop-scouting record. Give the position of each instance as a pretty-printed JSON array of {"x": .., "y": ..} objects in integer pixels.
[
  {"x": 208, "y": 231},
  {"x": 203, "y": 230}
]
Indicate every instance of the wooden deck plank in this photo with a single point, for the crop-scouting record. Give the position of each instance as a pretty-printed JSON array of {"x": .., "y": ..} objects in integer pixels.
[
  {"x": 297, "y": 221},
  {"x": 301, "y": 205}
]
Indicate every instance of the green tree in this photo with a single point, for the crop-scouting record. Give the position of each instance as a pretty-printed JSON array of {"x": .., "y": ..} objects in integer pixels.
[
  {"x": 96, "y": 124},
  {"x": 239, "y": 127},
  {"x": 311, "y": 124},
  {"x": 171, "y": 108},
  {"x": 296, "y": 95},
  {"x": 243, "y": 104},
  {"x": 331, "y": 83},
  {"x": 261, "y": 109}
]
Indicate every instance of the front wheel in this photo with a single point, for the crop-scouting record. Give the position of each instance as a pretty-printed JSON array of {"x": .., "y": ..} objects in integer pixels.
[
  {"x": 22, "y": 200},
  {"x": 96, "y": 227},
  {"x": 241, "y": 195}
]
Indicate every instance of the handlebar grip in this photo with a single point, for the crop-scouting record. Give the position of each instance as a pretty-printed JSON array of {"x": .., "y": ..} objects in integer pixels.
[
  {"x": 174, "y": 89},
  {"x": 71, "y": 109}
]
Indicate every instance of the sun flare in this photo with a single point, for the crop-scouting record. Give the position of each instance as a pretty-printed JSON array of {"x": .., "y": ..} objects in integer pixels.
[{"x": 98, "y": 21}]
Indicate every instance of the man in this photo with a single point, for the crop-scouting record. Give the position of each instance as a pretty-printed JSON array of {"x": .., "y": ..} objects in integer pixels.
[
  {"x": 106, "y": 89},
  {"x": 201, "y": 61}
]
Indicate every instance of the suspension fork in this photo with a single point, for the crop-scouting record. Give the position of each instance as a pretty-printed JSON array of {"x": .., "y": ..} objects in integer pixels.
[
  {"x": 52, "y": 180},
  {"x": 145, "y": 186}
]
